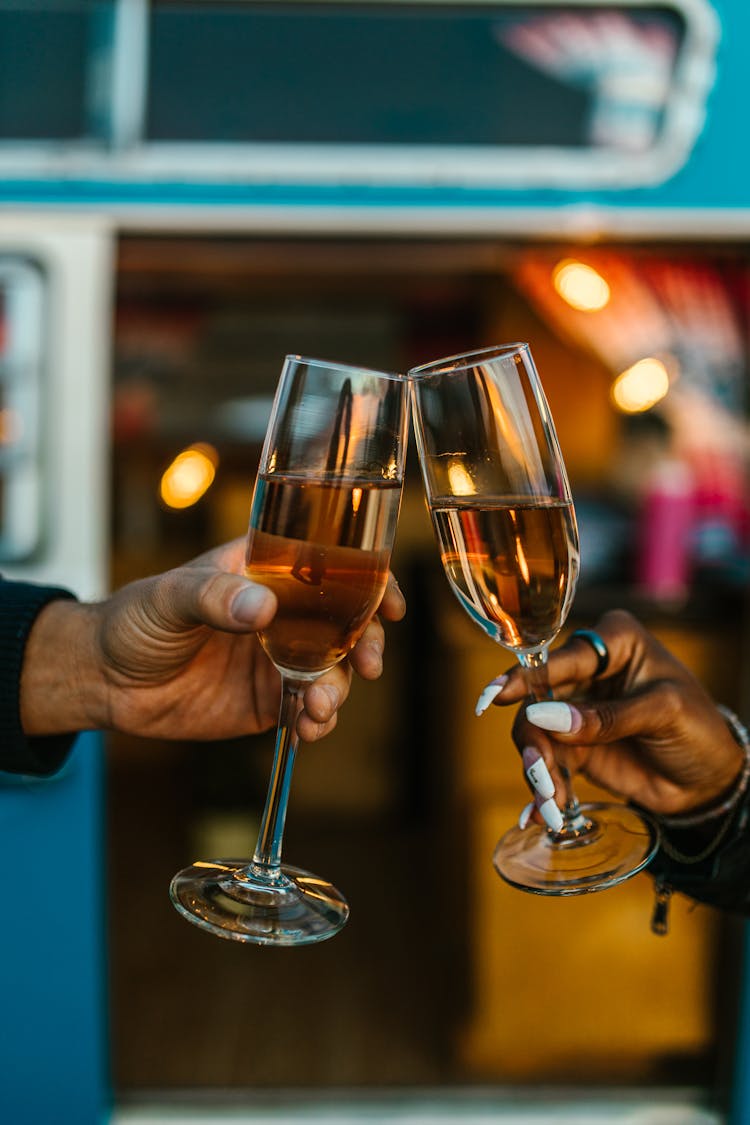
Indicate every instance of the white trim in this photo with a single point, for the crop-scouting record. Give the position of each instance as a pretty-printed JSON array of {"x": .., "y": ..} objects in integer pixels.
[
  {"x": 129, "y": 72},
  {"x": 583, "y": 222},
  {"x": 77, "y": 256},
  {"x": 442, "y": 1108},
  {"x": 21, "y": 378}
]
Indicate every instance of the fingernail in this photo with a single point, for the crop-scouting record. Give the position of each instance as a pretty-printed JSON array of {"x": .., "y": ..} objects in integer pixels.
[
  {"x": 537, "y": 772},
  {"x": 489, "y": 694},
  {"x": 559, "y": 717},
  {"x": 526, "y": 812},
  {"x": 248, "y": 603},
  {"x": 553, "y": 818},
  {"x": 397, "y": 589}
]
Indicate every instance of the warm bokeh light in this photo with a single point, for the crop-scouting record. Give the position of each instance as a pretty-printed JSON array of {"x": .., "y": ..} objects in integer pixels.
[
  {"x": 580, "y": 285},
  {"x": 460, "y": 480},
  {"x": 11, "y": 426},
  {"x": 189, "y": 476},
  {"x": 641, "y": 386}
]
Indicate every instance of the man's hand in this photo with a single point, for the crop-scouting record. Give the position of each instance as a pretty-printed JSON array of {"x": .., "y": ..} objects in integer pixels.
[{"x": 176, "y": 656}]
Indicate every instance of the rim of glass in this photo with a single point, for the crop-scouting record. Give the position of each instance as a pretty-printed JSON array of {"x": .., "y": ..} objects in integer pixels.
[
  {"x": 355, "y": 368},
  {"x": 464, "y": 360}
]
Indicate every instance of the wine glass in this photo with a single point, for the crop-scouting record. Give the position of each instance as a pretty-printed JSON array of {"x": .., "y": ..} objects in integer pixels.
[
  {"x": 503, "y": 515},
  {"x": 322, "y": 525}
]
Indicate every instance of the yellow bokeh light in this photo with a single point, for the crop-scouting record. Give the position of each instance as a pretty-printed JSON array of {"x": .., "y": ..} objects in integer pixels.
[
  {"x": 580, "y": 285},
  {"x": 641, "y": 386},
  {"x": 460, "y": 480},
  {"x": 189, "y": 476},
  {"x": 11, "y": 426}
]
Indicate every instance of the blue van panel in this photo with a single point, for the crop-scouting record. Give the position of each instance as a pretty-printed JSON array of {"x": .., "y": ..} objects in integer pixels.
[{"x": 53, "y": 1015}]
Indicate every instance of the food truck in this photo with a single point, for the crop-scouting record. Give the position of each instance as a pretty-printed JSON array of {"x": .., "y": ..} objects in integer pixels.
[{"x": 190, "y": 189}]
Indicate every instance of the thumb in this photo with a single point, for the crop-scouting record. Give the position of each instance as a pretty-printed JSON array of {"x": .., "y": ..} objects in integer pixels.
[{"x": 190, "y": 596}]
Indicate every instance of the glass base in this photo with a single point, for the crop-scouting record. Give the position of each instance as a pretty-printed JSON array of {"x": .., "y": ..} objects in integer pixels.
[
  {"x": 231, "y": 900},
  {"x": 617, "y": 843}
]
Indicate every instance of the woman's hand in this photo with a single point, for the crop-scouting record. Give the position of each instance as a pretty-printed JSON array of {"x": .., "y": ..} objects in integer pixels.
[{"x": 645, "y": 730}]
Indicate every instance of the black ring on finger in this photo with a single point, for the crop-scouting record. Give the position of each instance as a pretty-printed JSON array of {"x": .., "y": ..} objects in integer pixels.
[{"x": 599, "y": 647}]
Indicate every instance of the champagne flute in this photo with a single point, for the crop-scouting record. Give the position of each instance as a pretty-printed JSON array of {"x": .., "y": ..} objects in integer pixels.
[
  {"x": 503, "y": 515},
  {"x": 322, "y": 525}
]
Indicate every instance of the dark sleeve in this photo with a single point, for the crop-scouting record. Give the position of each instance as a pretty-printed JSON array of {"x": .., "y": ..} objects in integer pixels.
[
  {"x": 722, "y": 879},
  {"x": 20, "y": 603}
]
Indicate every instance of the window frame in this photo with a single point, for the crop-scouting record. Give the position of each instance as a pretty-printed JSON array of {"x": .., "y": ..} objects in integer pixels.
[{"x": 122, "y": 154}]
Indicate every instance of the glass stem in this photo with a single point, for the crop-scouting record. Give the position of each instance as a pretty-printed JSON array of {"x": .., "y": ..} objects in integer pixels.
[
  {"x": 537, "y": 679},
  {"x": 267, "y": 858}
]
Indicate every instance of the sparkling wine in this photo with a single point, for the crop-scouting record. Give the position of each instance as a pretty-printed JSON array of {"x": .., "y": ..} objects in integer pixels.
[
  {"x": 512, "y": 563},
  {"x": 324, "y": 549}
]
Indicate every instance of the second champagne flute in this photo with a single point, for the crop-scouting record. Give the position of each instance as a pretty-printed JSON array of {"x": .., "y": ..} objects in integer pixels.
[
  {"x": 503, "y": 515},
  {"x": 322, "y": 526}
]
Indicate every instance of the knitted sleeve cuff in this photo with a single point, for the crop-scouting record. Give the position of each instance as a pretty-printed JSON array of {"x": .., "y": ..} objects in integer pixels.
[{"x": 20, "y": 604}]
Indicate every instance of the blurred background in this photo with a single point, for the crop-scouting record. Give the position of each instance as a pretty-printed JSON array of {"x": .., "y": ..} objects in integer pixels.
[{"x": 188, "y": 192}]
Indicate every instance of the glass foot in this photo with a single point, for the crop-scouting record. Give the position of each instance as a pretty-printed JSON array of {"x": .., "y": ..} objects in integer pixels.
[
  {"x": 231, "y": 900},
  {"x": 617, "y": 844}
]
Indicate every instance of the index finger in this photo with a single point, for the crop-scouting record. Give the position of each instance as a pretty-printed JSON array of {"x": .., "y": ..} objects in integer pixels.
[
  {"x": 573, "y": 666},
  {"x": 628, "y": 650},
  {"x": 228, "y": 556}
]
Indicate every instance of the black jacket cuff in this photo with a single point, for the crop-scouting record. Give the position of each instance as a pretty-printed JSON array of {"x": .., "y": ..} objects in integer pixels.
[{"x": 20, "y": 604}]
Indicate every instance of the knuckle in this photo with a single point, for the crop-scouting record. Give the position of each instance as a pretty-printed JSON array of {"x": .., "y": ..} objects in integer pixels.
[
  {"x": 374, "y": 631},
  {"x": 606, "y": 716},
  {"x": 671, "y": 703},
  {"x": 213, "y": 596},
  {"x": 162, "y": 595},
  {"x": 204, "y": 597},
  {"x": 619, "y": 621}
]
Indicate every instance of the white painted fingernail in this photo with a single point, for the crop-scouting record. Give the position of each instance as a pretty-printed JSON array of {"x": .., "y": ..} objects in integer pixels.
[
  {"x": 541, "y": 779},
  {"x": 490, "y": 694},
  {"x": 526, "y": 812},
  {"x": 553, "y": 818},
  {"x": 559, "y": 717}
]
